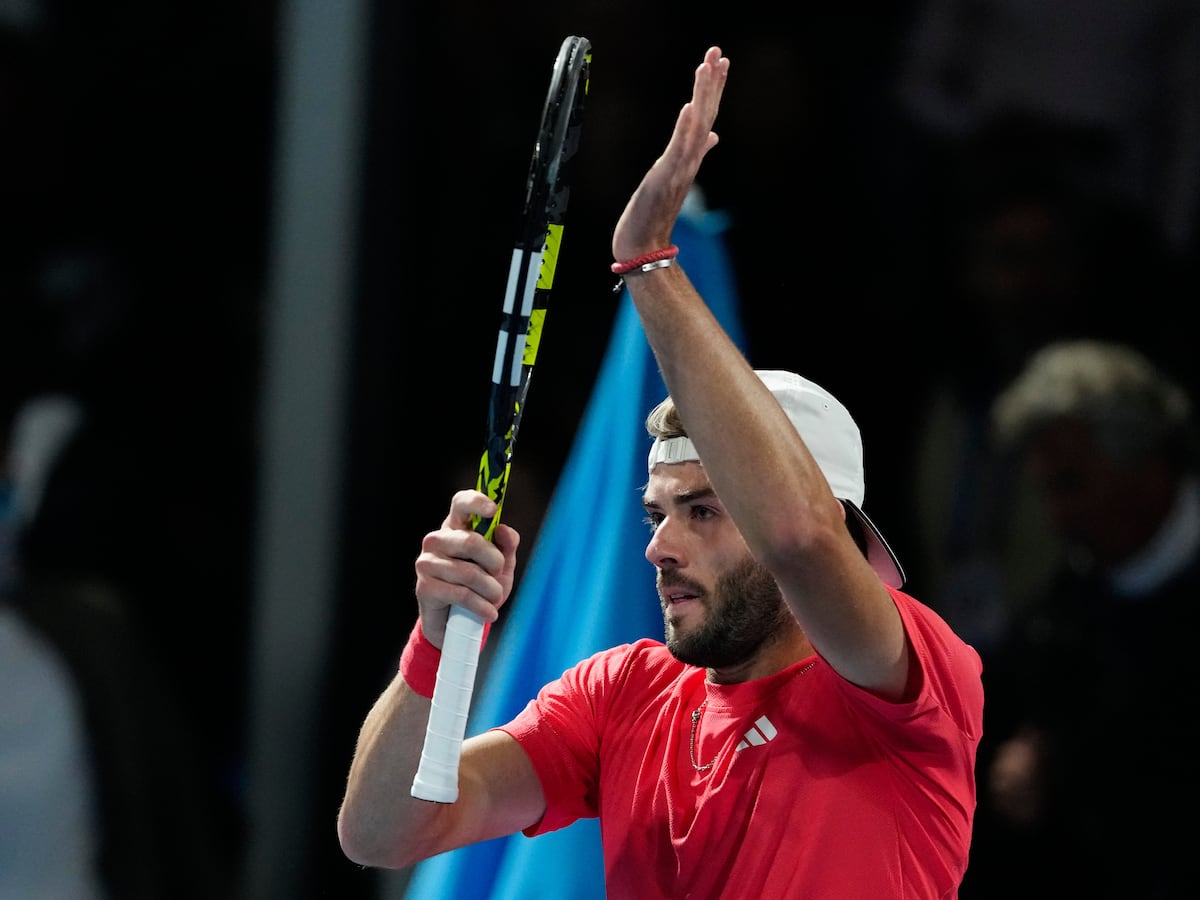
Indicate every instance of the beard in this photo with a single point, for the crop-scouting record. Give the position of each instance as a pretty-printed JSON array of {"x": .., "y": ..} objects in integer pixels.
[{"x": 746, "y": 612}]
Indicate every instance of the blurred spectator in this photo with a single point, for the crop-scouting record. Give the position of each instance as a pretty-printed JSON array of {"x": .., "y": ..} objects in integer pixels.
[
  {"x": 49, "y": 834},
  {"x": 1045, "y": 181},
  {"x": 1087, "y": 772},
  {"x": 1025, "y": 258},
  {"x": 103, "y": 787},
  {"x": 106, "y": 788},
  {"x": 49, "y": 829}
]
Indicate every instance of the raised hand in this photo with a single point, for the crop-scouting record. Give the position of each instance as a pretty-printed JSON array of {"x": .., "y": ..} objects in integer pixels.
[{"x": 649, "y": 217}]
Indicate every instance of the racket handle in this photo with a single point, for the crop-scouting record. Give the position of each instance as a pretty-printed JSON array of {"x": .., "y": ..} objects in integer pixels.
[{"x": 437, "y": 772}]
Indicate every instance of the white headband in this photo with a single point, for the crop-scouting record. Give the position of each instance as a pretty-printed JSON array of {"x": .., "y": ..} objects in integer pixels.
[{"x": 672, "y": 450}]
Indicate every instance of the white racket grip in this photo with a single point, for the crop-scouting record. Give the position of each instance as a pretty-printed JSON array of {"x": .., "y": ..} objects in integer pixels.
[{"x": 437, "y": 771}]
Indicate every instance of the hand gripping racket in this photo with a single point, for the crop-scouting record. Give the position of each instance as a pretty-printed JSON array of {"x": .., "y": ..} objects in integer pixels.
[{"x": 530, "y": 277}]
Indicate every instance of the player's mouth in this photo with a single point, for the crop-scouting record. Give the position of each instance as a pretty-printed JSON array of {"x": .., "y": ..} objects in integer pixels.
[
  {"x": 677, "y": 594},
  {"x": 675, "y": 598}
]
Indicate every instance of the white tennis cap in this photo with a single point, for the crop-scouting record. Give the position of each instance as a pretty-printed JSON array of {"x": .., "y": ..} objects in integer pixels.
[{"x": 832, "y": 437}]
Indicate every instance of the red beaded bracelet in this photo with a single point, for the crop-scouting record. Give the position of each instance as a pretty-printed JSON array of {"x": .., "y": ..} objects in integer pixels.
[{"x": 655, "y": 259}]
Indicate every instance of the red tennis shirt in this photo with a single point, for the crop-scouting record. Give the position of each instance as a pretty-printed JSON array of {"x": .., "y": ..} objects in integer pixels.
[{"x": 817, "y": 789}]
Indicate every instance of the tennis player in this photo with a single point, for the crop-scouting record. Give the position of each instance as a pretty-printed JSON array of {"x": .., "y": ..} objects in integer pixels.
[{"x": 806, "y": 730}]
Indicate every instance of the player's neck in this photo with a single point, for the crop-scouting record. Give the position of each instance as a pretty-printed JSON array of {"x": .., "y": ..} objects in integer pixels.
[{"x": 773, "y": 657}]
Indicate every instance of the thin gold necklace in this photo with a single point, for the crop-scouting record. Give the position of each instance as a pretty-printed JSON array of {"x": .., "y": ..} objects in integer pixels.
[{"x": 697, "y": 713}]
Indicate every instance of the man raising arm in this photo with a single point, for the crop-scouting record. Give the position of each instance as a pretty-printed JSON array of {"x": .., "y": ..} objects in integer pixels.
[
  {"x": 750, "y": 449},
  {"x": 806, "y": 729}
]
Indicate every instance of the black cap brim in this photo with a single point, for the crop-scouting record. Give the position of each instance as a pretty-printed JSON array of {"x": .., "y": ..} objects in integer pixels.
[{"x": 879, "y": 553}]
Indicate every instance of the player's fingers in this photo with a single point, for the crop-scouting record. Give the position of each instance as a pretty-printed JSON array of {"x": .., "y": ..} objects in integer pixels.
[
  {"x": 693, "y": 136},
  {"x": 465, "y": 506},
  {"x": 452, "y": 542},
  {"x": 507, "y": 540},
  {"x": 709, "y": 84},
  {"x": 444, "y": 580},
  {"x": 649, "y": 217}
]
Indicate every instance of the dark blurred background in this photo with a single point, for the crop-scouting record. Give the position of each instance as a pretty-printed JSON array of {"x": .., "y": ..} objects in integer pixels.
[{"x": 262, "y": 246}]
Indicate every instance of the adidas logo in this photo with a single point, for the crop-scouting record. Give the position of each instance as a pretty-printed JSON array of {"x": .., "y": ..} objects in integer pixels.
[{"x": 762, "y": 732}]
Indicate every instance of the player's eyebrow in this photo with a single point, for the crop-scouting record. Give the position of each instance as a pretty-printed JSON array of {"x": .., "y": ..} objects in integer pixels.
[{"x": 681, "y": 499}]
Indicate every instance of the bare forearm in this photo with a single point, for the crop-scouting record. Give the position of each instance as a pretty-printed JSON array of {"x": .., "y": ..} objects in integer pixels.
[
  {"x": 380, "y": 822},
  {"x": 769, "y": 481}
]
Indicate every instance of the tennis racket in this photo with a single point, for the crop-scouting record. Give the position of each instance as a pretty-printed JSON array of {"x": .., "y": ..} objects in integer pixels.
[{"x": 530, "y": 277}]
